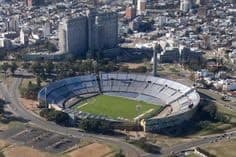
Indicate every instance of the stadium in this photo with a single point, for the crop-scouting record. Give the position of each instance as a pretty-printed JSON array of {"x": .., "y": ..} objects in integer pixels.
[{"x": 155, "y": 103}]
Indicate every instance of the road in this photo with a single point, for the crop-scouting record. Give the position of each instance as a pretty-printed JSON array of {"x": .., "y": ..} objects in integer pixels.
[
  {"x": 216, "y": 97},
  {"x": 204, "y": 140},
  {"x": 11, "y": 94}
]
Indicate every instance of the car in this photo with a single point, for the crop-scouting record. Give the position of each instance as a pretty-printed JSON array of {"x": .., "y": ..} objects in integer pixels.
[{"x": 225, "y": 98}]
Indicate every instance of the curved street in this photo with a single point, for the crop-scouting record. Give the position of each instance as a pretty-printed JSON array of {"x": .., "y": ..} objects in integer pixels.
[{"x": 11, "y": 95}]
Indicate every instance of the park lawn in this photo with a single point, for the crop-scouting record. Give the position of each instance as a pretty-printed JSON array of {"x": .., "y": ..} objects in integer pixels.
[
  {"x": 192, "y": 155},
  {"x": 214, "y": 128},
  {"x": 222, "y": 149},
  {"x": 220, "y": 127},
  {"x": 115, "y": 107},
  {"x": 229, "y": 113}
]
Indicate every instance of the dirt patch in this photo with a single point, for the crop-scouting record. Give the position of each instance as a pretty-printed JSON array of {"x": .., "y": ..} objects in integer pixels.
[
  {"x": 3, "y": 144},
  {"x": 16, "y": 151},
  {"x": 29, "y": 104},
  {"x": 133, "y": 65},
  {"x": 166, "y": 141},
  {"x": 92, "y": 150},
  {"x": 224, "y": 148},
  {"x": 3, "y": 127}
]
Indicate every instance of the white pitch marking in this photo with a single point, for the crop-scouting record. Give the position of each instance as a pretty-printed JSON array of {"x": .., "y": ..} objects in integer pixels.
[{"x": 83, "y": 105}]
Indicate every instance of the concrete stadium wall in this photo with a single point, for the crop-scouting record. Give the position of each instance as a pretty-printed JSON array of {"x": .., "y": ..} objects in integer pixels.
[
  {"x": 175, "y": 117},
  {"x": 152, "y": 125}
]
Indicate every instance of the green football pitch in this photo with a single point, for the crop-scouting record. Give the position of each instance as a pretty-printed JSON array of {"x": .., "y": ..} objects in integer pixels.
[{"x": 115, "y": 107}]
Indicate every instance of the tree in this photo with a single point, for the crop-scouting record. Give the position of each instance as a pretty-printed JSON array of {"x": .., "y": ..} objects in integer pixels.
[
  {"x": 38, "y": 69},
  {"x": 147, "y": 147},
  {"x": 62, "y": 118},
  {"x": 86, "y": 66},
  {"x": 25, "y": 65},
  {"x": 13, "y": 67},
  {"x": 2, "y": 102},
  {"x": 59, "y": 117},
  {"x": 49, "y": 67},
  {"x": 50, "y": 46},
  {"x": 44, "y": 112},
  {"x": 5, "y": 67},
  {"x": 1, "y": 154},
  {"x": 98, "y": 126},
  {"x": 192, "y": 76},
  {"x": 120, "y": 154},
  {"x": 31, "y": 91},
  {"x": 141, "y": 69},
  {"x": 208, "y": 112},
  {"x": 39, "y": 81},
  {"x": 124, "y": 69}
]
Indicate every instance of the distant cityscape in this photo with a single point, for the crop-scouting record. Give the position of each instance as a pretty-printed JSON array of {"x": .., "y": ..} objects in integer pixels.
[{"x": 117, "y": 78}]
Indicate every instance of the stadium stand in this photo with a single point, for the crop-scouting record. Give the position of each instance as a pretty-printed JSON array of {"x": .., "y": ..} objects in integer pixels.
[{"x": 181, "y": 100}]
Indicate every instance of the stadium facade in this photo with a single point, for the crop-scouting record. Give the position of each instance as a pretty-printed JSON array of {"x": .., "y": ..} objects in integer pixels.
[{"x": 179, "y": 101}]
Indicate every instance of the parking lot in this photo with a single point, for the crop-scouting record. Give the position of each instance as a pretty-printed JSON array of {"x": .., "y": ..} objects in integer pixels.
[{"x": 39, "y": 139}]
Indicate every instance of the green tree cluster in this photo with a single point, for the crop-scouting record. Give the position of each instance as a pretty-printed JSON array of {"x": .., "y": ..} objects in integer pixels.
[
  {"x": 6, "y": 66},
  {"x": 93, "y": 125},
  {"x": 31, "y": 91},
  {"x": 59, "y": 117},
  {"x": 209, "y": 112},
  {"x": 1, "y": 154},
  {"x": 50, "y": 46},
  {"x": 68, "y": 68},
  {"x": 1, "y": 106},
  {"x": 119, "y": 154},
  {"x": 147, "y": 147}
]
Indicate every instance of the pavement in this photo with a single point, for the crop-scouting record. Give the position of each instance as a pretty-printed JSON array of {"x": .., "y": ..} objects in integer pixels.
[
  {"x": 203, "y": 141},
  {"x": 11, "y": 95}
]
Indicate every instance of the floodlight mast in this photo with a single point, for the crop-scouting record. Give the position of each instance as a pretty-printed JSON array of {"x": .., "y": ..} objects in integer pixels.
[
  {"x": 45, "y": 98},
  {"x": 155, "y": 47}
]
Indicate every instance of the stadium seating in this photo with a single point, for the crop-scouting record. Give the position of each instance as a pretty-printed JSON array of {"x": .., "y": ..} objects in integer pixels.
[
  {"x": 178, "y": 97},
  {"x": 60, "y": 91}
]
